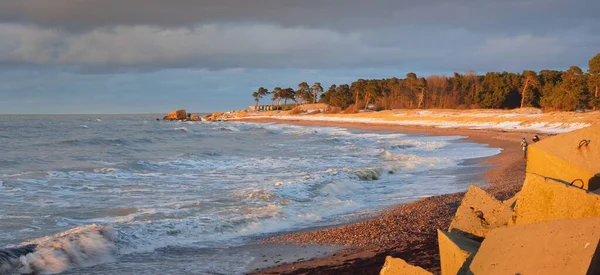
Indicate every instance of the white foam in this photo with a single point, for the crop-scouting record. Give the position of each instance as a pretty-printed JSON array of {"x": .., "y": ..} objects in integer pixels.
[
  {"x": 184, "y": 129},
  {"x": 104, "y": 170},
  {"x": 196, "y": 199},
  {"x": 418, "y": 144},
  {"x": 79, "y": 247},
  {"x": 262, "y": 212},
  {"x": 408, "y": 162},
  {"x": 340, "y": 187},
  {"x": 544, "y": 127}
]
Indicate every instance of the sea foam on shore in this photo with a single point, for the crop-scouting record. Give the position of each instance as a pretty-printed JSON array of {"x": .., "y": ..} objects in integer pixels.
[{"x": 166, "y": 190}]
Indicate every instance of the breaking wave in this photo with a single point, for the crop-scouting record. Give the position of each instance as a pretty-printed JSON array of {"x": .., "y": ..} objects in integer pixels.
[
  {"x": 79, "y": 247},
  {"x": 416, "y": 163},
  {"x": 369, "y": 173},
  {"x": 240, "y": 181},
  {"x": 10, "y": 257}
]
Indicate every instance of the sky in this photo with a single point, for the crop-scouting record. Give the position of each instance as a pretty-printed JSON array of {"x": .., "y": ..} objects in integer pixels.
[{"x": 152, "y": 56}]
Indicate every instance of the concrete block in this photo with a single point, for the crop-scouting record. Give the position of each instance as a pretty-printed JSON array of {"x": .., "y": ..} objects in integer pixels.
[
  {"x": 544, "y": 199},
  {"x": 456, "y": 252},
  {"x": 568, "y": 157},
  {"x": 512, "y": 201},
  {"x": 478, "y": 213},
  {"x": 397, "y": 266},
  {"x": 553, "y": 247}
]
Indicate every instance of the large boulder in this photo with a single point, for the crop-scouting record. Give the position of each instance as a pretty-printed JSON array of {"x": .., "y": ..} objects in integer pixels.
[
  {"x": 176, "y": 115},
  {"x": 570, "y": 157},
  {"x": 456, "y": 252},
  {"x": 553, "y": 247},
  {"x": 544, "y": 199},
  {"x": 195, "y": 117},
  {"x": 478, "y": 213},
  {"x": 397, "y": 266}
]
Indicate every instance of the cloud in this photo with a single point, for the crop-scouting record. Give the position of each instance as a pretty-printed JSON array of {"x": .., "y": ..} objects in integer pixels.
[
  {"x": 329, "y": 14},
  {"x": 226, "y": 46},
  {"x": 207, "y": 46},
  {"x": 427, "y": 35},
  {"x": 138, "y": 55},
  {"x": 22, "y": 44}
]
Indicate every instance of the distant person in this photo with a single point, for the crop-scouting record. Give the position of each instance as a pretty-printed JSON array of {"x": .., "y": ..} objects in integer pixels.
[
  {"x": 535, "y": 139},
  {"x": 524, "y": 147}
]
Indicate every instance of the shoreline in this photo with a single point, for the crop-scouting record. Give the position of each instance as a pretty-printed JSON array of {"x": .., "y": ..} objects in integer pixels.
[{"x": 405, "y": 230}]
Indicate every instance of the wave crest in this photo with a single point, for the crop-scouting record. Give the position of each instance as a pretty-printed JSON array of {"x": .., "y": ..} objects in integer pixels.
[
  {"x": 369, "y": 173},
  {"x": 79, "y": 247}
]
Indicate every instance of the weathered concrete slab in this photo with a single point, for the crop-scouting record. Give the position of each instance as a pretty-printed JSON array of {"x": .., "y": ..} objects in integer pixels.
[
  {"x": 544, "y": 199},
  {"x": 478, "y": 213},
  {"x": 512, "y": 201},
  {"x": 397, "y": 266},
  {"x": 553, "y": 247},
  {"x": 569, "y": 157},
  {"x": 456, "y": 252}
]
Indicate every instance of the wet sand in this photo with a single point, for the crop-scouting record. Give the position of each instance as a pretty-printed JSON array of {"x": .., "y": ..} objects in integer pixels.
[{"x": 407, "y": 231}]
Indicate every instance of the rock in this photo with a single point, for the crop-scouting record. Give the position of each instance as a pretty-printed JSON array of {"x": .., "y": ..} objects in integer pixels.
[
  {"x": 397, "y": 266},
  {"x": 553, "y": 247},
  {"x": 176, "y": 115},
  {"x": 478, "y": 213},
  {"x": 456, "y": 252},
  {"x": 569, "y": 157},
  {"x": 544, "y": 199},
  {"x": 195, "y": 117},
  {"x": 216, "y": 116}
]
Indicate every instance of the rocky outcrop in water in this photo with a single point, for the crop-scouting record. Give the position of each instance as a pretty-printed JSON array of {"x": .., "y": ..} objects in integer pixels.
[
  {"x": 216, "y": 116},
  {"x": 176, "y": 115}
]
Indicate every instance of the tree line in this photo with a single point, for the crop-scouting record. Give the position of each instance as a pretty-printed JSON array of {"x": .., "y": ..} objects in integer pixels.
[{"x": 568, "y": 90}]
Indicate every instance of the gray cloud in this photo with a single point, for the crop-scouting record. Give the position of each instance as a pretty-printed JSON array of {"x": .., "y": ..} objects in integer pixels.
[
  {"x": 424, "y": 35},
  {"x": 338, "y": 14}
]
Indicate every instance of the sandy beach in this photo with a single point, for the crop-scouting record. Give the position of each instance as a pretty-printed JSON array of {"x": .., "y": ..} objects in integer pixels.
[{"x": 407, "y": 231}]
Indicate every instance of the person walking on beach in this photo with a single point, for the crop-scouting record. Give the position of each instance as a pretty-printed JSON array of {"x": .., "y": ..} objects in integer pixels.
[{"x": 524, "y": 147}]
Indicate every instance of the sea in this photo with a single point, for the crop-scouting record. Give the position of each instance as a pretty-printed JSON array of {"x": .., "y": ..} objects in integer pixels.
[{"x": 127, "y": 194}]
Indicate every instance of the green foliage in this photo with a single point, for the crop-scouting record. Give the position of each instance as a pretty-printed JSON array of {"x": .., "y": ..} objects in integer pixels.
[
  {"x": 259, "y": 94},
  {"x": 303, "y": 94},
  {"x": 594, "y": 65},
  {"x": 317, "y": 91},
  {"x": 549, "y": 89},
  {"x": 594, "y": 81}
]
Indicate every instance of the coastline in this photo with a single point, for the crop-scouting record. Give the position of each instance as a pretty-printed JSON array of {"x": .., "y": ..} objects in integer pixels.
[{"x": 406, "y": 230}]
